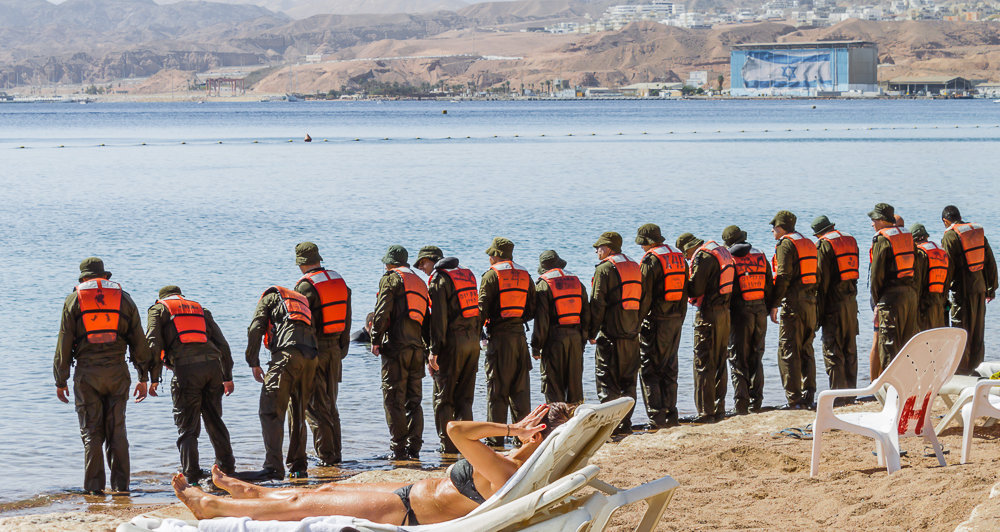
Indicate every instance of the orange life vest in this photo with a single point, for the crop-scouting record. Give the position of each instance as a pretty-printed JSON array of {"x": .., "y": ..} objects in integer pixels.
[
  {"x": 845, "y": 249},
  {"x": 630, "y": 277},
  {"x": 567, "y": 292},
  {"x": 514, "y": 282},
  {"x": 417, "y": 299},
  {"x": 973, "y": 244},
  {"x": 901, "y": 242},
  {"x": 296, "y": 309},
  {"x": 805, "y": 249},
  {"x": 673, "y": 263},
  {"x": 333, "y": 294},
  {"x": 100, "y": 303},
  {"x": 465, "y": 289},
  {"x": 188, "y": 318},
  {"x": 727, "y": 270},
  {"x": 937, "y": 263},
  {"x": 751, "y": 270}
]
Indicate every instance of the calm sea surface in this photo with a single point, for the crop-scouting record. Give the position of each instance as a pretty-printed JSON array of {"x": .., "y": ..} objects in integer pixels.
[{"x": 214, "y": 197}]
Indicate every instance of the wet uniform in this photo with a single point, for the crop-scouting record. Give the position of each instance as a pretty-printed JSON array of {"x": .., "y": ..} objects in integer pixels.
[
  {"x": 559, "y": 334},
  {"x": 973, "y": 281},
  {"x": 795, "y": 293},
  {"x": 709, "y": 292},
  {"x": 894, "y": 291},
  {"x": 614, "y": 322},
  {"x": 662, "y": 311},
  {"x": 837, "y": 306},
  {"x": 748, "y": 325}
]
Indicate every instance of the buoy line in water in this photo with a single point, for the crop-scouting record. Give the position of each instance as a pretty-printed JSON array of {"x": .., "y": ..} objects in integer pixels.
[{"x": 205, "y": 142}]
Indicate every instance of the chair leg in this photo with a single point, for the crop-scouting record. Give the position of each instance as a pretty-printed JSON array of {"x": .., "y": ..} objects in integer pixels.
[
  {"x": 891, "y": 447},
  {"x": 817, "y": 446},
  {"x": 879, "y": 453},
  {"x": 967, "y": 431},
  {"x": 931, "y": 437},
  {"x": 954, "y": 412}
]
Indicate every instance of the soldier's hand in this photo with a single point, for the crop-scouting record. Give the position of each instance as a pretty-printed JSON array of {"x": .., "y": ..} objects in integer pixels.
[
  {"x": 536, "y": 355},
  {"x": 774, "y": 315},
  {"x": 593, "y": 341},
  {"x": 376, "y": 350},
  {"x": 989, "y": 299},
  {"x": 63, "y": 394},
  {"x": 140, "y": 392},
  {"x": 152, "y": 389},
  {"x": 258, "y": 374},
  {"x": 227, "y": 387},
  {"x": 432, "y": 364}
]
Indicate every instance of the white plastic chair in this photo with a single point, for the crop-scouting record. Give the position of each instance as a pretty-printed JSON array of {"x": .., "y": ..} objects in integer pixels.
[
  {"x": 957, "y": 392},
  {"x": 913, "y": 380},
  {"x": 983, "y": 403}
]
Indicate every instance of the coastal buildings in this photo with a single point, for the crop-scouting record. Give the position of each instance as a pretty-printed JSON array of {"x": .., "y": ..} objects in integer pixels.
[
  {"x": 829, "y": 68},
  {"x": 930, "y": 86}
]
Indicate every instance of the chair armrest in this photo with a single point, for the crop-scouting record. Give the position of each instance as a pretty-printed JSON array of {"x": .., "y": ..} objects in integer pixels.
[
  {"x": 827, "y": 396},
  {"x": 982, "y": 389}
]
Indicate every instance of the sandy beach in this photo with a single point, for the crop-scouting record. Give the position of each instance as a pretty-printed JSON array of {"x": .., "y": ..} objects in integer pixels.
[{"x": 738, "y": 475}]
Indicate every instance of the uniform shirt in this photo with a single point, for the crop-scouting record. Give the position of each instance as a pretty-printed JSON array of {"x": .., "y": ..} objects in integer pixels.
[
  {"x": 922, "y": 268},
  {"x": 72, "y": 344},
  {"x": 787, "y": 282},
  {"x": 392, "y": 327},
  {"x": 736, "y": 301},
  {"x": 652, "y": 305},
  {"x": 962, "y": 280},
  {"x": 606, "y": 313},
  {"x": 832, "y": 292},
  {"x": 489, "y": 305},
  {"x": 704, "y": 283},
  {"x": 342, "y": 338},
  {"x": 161, "y": 335},
  {"x": 546, "y": 321},
  {"x": 883, "y": 270},
  {"x": 287, "y": 334},
  {"x": 446, "y": 318}
]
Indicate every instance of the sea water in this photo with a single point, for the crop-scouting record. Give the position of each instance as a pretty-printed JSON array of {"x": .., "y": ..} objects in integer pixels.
[{"x": 213, "y": 197}]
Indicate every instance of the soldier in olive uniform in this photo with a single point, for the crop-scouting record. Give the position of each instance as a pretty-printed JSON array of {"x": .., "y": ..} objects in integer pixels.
[
  {"x": 557, "y": 339},
  {"x": 973, "y": 284},
  {"x": 506, "y": 304},
  {"x": 452, "y": 337},
  {"x": 933, "y": 285},
  {"x": 837, "y": 302},
  {"x": 283, "y": 319},
  {"x": 662, "y": 314},
  {"x": 748, "y": 320},
  {"x": 794, "y": 297},
  {"x": 193, "y": 346},
  {"x": 397, "y": 336},
  {"x": 99, "y": 321},
  {"x": 332, "y": 322},
  {"x": 893, "y": 283},
  {"x": 708, "y": 292}
]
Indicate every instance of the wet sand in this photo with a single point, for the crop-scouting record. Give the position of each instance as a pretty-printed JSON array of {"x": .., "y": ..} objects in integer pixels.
[{"x": 737, "y": 475}]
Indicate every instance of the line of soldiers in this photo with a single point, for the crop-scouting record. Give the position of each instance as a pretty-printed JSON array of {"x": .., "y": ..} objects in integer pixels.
[{"x": 634, "y": 315}]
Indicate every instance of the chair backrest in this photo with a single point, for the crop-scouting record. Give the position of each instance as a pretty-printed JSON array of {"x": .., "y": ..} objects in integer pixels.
[
  {"x": 917, "y": 373},
  {"x": 568, "y": 448}
]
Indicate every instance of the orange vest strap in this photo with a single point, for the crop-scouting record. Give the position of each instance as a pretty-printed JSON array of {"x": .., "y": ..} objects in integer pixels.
[
  {"x": 674, "y": 271},
  {"x": 751, "y": 270},
  {"x": 630, "y": 288},
  {"x": 188, "y": 318},
  {"x": 100, "y": 305},
  {"x": 845, "y": 249},
  {"x": 333, "y": 295},
  {"x": 938, "y": 263},
  {"x": 567, "y": 292},
  {"x": 514, "y": 282},
  {"x": 465, "y": 289},
  {"x": 901, "y": 242}
]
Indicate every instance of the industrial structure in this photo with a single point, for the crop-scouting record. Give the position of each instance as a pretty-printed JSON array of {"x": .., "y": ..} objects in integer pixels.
[
  {"x": 931, "y": 86},
  {"x": 830, "y": 68}
]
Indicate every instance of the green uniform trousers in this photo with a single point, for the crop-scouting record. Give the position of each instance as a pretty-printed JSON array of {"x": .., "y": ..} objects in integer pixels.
[
  {"x": 100, "y": 395},
  {"x": 897, "y": 321},
  {"x": 747, "y": 331},
  {"x": 196, "y": 390},
  {"x": 562, "y": 366},
  {"x": 507, "y": 385},
  {"x": 616, "y": 371},
  {"x": 840, "y": 344},
  {"x": 969, "y": 313},
  {"x": 321, "y": 410},
  {"x": 455, "y": 384},
  {"x": 933, "y": 312},
  {"x": 796, "y": 359},
  {"x": 402, "y": 391},
  {"x": 659, "y": 340},
  {"x": 711, "y": 339},
  {"x": 287, "y": 387}
]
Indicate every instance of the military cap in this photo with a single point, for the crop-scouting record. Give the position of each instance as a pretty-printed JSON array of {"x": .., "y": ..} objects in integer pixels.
[
  {"x": 649, "y": 235},
  {"x": 396, "y": 255},
  {"x": 92, "y": 267},
  {"x": 884, "y": 212},
  {"x": 307, "y": 253},
  {"x": 784, "y": 219},
  {"x": 611, "y": 239},
  {"x": 169, "y": 290},
  {"x": 501, "y": 247},
  {"x": 548, "y": 260},
  {"x": 821, "y": 225},
  {"x": 919, "y": 232},
  {"x": 687, "y": 241},
  {"x": 733, "y": 235},
  {"x": 433, "y": 253}
]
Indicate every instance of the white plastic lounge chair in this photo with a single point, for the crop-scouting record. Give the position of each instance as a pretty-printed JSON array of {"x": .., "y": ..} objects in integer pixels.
[
  {"x": 983, "y": 403},
  {"x": 914, "y": 377},
  {"x": 567, "y": 449},
  {"x": 957, "y": 392}
]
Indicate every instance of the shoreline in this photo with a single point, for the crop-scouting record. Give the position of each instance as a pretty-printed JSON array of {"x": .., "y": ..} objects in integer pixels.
[{"x": 737, "y": 474}]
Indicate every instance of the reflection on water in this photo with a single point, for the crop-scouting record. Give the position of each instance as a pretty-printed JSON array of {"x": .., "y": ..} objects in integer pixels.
[{"x": 221, "y": 221}]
